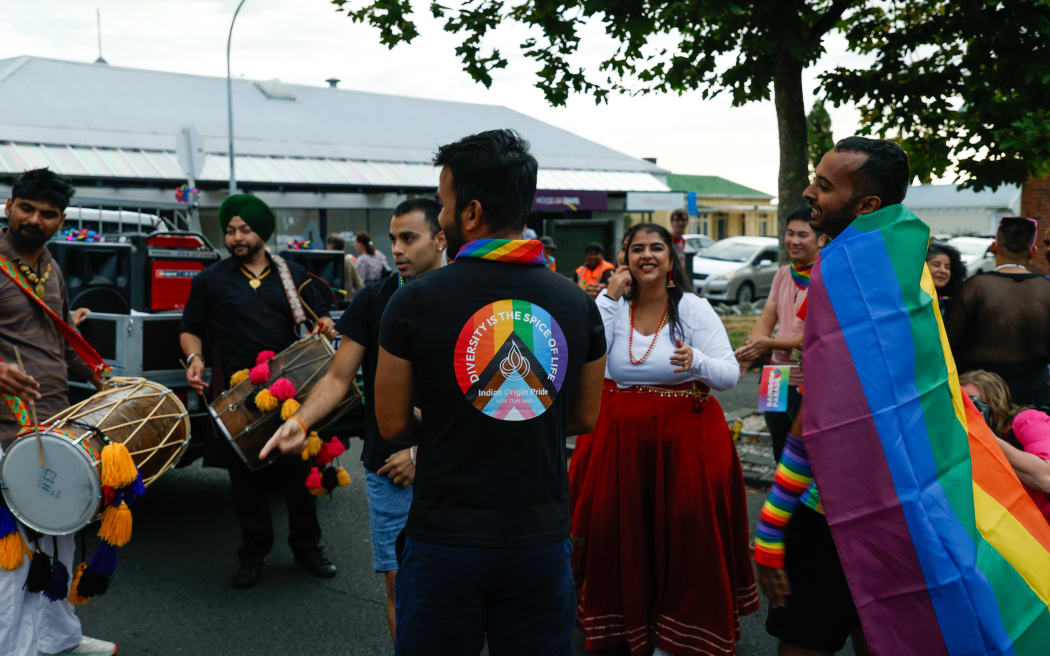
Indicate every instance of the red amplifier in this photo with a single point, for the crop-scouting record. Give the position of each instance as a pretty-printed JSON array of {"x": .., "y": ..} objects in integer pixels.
[
  {"x": 172, "y": 260},
  {"x": 170, "y": 282}
]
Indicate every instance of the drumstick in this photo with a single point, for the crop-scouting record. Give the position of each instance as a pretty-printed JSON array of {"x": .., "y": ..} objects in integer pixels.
[{"x": 32, "y": 411}]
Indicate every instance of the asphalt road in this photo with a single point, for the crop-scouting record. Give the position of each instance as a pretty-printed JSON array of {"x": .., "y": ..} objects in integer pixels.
[{"x": 172, "y": 593}]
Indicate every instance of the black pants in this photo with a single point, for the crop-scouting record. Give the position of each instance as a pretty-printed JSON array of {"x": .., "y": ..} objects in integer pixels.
[
  {"x": 253, "y": 512},
  {"x": 779, "y": 423},
  {"x": 1032, "y": 388}
]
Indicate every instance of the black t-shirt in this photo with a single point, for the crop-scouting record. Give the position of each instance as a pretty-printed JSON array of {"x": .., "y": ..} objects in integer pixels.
[
  {"x": 244, "y": 321},
  {"x": 496, "y": 350},
  {"x": 360, "y": 323}
]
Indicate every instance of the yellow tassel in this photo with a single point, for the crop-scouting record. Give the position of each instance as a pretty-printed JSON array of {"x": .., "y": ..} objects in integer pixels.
[
  {"x": 304, "y": 454},
  {"x": 344, "y": 478},
  {"x": 238, "y": 376},
  {"x": 319, "y": 492},
  {"x": 313, "y": 444},
  {"x": 118, "y": 469},
  {"x": 289, "y": 408},
  {"x": 74, "y": 589},
  {"x": 13, "y": 551},
  {"x": 116, "y": 525},
  {"x": 265, "y": 401}
]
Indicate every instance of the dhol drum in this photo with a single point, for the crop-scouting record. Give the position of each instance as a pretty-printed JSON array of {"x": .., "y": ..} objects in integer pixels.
[
  {"x": 66, "y": 493},
  {"x": 246, "y": 427}
]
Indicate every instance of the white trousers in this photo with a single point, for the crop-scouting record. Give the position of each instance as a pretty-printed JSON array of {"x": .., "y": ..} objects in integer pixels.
[{"x": 29, "y": 623}]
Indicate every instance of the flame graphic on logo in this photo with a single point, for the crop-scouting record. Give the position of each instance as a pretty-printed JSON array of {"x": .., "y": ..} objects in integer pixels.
[{"x": 515, "y": 366}]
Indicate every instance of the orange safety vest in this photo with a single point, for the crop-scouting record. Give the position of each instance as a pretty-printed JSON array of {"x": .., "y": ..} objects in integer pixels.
[{"x": 585, "y": 276}]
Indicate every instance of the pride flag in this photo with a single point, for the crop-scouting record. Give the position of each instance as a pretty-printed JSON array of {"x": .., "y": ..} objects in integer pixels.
[{"x": 943, "y": 550}]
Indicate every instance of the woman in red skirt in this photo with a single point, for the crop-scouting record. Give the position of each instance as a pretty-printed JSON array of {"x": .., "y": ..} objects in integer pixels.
[{"x": 659, "y": 522}]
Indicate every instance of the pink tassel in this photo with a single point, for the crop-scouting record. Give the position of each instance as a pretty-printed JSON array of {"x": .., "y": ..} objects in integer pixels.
[
  {"x": 283, "y": 389},
  {"x": 335, "y": 447},
  {"x": 264, "y": 357},
  {"x": 313, "y": 479},
  {"x": 259, "y": 374}
]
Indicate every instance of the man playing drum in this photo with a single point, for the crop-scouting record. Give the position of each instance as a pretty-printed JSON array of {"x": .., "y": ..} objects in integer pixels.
[
  {"x": 35, "y": 212},
  {"x": 241, "y": 305},
  {"x": 417, "y": 246}
]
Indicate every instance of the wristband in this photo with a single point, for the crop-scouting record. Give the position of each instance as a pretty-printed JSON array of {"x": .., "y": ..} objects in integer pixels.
[
  {"x": 412, "y": 455},
  {"x": 302, "y": 424},
  {"x": 189, "y": 358}
]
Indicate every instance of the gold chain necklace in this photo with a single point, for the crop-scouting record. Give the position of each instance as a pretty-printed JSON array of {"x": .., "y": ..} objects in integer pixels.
[
  {"x": 38, "y": 282},
  {"x": 255, "y": 281}
]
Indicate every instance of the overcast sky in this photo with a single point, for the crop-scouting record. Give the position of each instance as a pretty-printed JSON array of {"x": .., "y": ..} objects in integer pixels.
[{"x": 306, "y": 41}]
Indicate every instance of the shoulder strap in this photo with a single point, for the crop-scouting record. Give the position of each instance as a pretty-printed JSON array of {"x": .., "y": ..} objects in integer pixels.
[
  {"x": 88, "y": 354},
  {"x": 290, "y": 291}
]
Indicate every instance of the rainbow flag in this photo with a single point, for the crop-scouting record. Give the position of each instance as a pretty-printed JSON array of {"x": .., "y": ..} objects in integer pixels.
[{"x": 943, "y": 550}]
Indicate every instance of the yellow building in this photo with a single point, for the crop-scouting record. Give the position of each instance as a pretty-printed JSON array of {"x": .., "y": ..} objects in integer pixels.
[{"x": 725, "y": 208}]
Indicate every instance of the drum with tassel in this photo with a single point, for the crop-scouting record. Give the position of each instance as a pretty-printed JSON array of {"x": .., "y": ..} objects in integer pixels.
[
  {"x": 102, "y": 451},
  {"x": 260, "y": 399}
]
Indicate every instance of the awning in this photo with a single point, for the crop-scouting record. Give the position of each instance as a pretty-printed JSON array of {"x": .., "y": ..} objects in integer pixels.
[{"x": 87, "y": 161}]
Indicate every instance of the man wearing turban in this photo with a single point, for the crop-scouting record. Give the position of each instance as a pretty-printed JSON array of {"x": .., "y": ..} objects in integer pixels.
[{"x": 240, "y": 306}]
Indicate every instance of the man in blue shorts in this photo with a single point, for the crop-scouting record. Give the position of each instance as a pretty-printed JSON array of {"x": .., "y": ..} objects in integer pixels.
[{"x": 417, "y": 246}]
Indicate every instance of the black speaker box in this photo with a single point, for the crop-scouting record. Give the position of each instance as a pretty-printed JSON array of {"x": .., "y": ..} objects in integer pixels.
[
  {"x": 98, "y": 274},
  {"x": 329, "y": 266}
]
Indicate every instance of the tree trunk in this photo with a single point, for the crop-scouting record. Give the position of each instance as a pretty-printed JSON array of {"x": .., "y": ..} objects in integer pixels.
[{"x": 791, "y": 126}]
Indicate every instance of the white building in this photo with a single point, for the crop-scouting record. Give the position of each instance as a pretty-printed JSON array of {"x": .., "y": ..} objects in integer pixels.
[
  {"x": 328, "y": 160},
  {"x": 950, "y": 210}
]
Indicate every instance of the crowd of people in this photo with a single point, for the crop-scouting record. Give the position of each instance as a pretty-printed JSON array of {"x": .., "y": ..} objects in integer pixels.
[{"x": 475, "y": 373}]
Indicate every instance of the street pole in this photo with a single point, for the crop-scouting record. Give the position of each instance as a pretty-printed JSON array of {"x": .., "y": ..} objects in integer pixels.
[{"x": 229, "y": 98}]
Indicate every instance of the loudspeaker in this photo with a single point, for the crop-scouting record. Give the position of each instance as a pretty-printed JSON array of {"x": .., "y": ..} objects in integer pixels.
[
  {"x": 329, "y": 266},
  {"x": 98, "y": 274},
  {"x": 165, "y": 264}
]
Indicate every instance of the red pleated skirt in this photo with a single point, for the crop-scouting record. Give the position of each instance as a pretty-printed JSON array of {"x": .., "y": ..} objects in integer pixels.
[{"x": 660, "y": 530}]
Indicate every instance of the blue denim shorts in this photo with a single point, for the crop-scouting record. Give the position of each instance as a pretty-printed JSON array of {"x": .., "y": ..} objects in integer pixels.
[{"x": 388, "y": 505}]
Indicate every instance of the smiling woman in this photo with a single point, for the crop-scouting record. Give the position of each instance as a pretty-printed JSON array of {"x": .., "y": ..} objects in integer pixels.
[{"x": 662, "y": 447}]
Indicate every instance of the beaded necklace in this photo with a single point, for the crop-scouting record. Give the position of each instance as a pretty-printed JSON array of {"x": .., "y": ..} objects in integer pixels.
[
  {"x": 37, "y": 281},
  {"x": 652, "y": 344}
]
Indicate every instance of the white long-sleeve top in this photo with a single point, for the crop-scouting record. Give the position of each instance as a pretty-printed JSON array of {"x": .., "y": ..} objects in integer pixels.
[{"x": 713, "y": 359}]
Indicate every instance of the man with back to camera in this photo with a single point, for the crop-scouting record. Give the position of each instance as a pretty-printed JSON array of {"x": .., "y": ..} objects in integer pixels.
[
  {"x": 593, "y": 275},
  {"x": 242, "y": 302},
  {"x": 999, "y": 320},
  {"x": 36, "y": 211},
  {"x": 417, "y": 246},
  {"x": 505, "y": 358}
]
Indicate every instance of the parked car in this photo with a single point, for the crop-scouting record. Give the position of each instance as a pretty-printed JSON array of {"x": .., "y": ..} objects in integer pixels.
[
  {"x": 974, "y": 252},
  {"x": 736, "y": 269},
  {"x": 697, "y": 242}
]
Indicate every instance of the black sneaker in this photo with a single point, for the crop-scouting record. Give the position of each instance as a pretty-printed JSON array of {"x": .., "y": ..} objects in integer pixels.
[
  {"x": 317, "y": 563},
  {"x": 247, "y": 574}
]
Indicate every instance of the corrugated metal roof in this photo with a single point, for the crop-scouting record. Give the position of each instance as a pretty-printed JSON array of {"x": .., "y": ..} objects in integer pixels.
[
  {"x": 135, "y": 110},
  {"x": 931, "y": 196},
  {"x": 157, "y": 164},
  {"x": 712, "y": 185}
]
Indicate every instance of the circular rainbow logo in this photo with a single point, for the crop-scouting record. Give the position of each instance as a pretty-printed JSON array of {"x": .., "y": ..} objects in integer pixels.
[{"x": 510, "y": 360}]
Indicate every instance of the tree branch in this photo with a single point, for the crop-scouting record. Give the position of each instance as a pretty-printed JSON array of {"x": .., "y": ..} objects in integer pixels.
[{"x": 828, "y": 20}]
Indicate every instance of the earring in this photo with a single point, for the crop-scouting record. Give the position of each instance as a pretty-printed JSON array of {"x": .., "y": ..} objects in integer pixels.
[{"x": 670, "y": 281}]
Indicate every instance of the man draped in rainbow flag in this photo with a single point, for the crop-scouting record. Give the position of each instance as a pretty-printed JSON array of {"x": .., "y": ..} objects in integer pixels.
[{"x": 941, "y": 549}]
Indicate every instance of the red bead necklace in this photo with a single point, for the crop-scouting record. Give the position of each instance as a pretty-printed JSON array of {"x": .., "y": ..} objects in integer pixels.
[{"x": 630, "y": 338}]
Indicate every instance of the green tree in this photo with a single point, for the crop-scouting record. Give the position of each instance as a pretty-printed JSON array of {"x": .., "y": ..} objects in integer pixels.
[
  {"x": 965, "y": 82},
  {"x": 748, "y": 50},
  {"x": 962, "y": 84},
  {"x": 818, "y": 134}
]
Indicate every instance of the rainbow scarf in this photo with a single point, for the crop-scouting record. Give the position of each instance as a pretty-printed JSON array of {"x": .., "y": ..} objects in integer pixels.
[
  {"x": 515, "y": 251},
  {"x": 944, "y": 551},
  {"x": 800, "y": 274}
]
